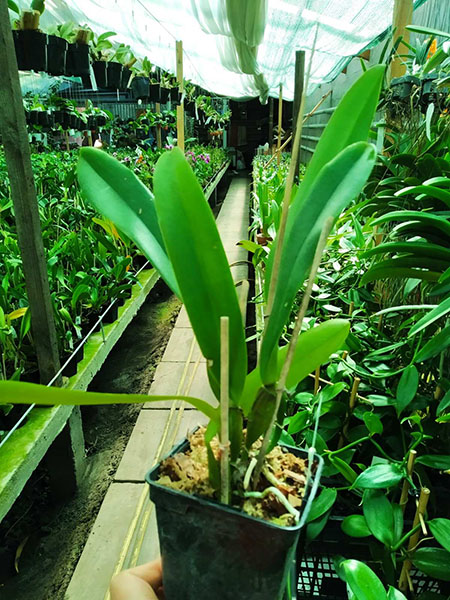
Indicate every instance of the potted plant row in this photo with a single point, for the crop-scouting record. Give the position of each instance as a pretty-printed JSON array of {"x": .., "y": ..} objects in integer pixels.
[{"x": 235, "y": 534}]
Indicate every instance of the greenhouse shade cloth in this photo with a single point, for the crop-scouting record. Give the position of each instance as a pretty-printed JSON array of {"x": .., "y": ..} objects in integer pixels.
[{"x": 236, "y": 48}]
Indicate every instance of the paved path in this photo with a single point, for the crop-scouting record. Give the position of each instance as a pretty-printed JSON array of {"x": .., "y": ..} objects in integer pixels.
[{"x": 124, "y": 533}]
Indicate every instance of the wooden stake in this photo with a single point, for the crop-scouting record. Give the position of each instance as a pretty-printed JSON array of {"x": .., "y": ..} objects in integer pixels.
[
  {"x": 406, "y": 485},
  {"x": 350, "y": 310},
  {"x": 404, "y": 579},
  {"x": 18, "y": 161},
  {"x": 298, "y": 94},
  {"x": 158, "y": 127},
  {"x": 224, "y": 411},
  {"x": 180, "y": 108},
  {"x": 66, "y": 135},
  {"x": 280, "y": 121},
  {"x": 270, "y": 133},
  {"x": 402, "y": 17},
  {"x": 344, "y": 354},
  {"x": 316, "y": 380}
]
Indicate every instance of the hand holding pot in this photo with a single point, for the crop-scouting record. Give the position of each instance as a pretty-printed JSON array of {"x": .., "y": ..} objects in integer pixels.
[{"x": 140, "y": 583}]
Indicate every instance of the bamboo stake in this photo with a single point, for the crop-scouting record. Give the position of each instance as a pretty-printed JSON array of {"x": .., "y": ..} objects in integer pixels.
[
  {"x": 307, "y": 116},
  {"x": 280, "y": 119},
  {"x": 180, "y": 107},
  {"x": 406, "y": 485},
  {"x": 67, "y": 141},
  {"x": 344, "y": 354},
  {"x": 403, "y": 10},
  {"x": 281, "y": 384},
  {"x": 351, "y": 308},
  {"x": 351, "y": 406},
  {"x": 224, "y": 411},
  {"x": 404, "y": 579}
]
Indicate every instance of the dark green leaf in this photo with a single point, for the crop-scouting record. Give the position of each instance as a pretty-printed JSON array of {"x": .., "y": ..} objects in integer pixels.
[
  {"x": 433, "y": 562},
  {"x": 343, "y": 468},
  {"x": 407, "y": 388},
  {"x": 373, "y": 423},
  {"x": 315, "y": 528},
  {"x": 201, "y": 266},
  {"x": 298, "y": 422},
  {"x": 379, "y": 515},
  {"x": 434, "y": 346},
  {"x": 440, "y": 528},
  {"x": 379, "y": 476},
  {"x": 362, "y": 581},
  {"x": 435, "y": 461},
  {"x": 444, "y": 403},
  {"x": 322, "y": 504},
  {"x": 431, "y": 317},
  {"x": 260, "y": 416},
  {"x": 355, "y": 526}
]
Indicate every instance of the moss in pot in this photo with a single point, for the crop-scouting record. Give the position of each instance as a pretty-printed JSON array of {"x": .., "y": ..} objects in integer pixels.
[{"x": 238, "y": 457}]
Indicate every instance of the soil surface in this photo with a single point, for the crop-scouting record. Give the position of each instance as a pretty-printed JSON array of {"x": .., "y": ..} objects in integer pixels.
[{"x": 41, "y": 540}]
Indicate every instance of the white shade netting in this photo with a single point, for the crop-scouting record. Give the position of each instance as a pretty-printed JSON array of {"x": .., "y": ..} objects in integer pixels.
[{"x": 236, "y": 48}]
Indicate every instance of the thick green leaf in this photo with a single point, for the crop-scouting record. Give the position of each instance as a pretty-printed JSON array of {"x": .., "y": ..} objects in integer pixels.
[
  {"x": 373, "y": 423},
  {"x": 315, "y": 528},
  {"x": 344, "y": 468},
  {"x": 322, "y": 504},
  {"x": 201, "y": 266},
  {"x": 441, "y": 310},
  {"x": 118, "y": 194},
  {"x": 260, "y": 415},
  {"x": 382, "y": 271},
  {"x": 355, "y": 526},
  {"x": 20, "y": 392},
  {"x": 394, "y": 594},
  {"x": 440, "y": 528},
  {"x": 339, "y": 182},
  {"x": 379, "y": 476},
  {"x": 13, "y": 6},
  {"x": 435, "y": 346},
  {"x": 428, "y": 190},
  {"x": 416, "y": 248},
  {"x": 428, "y": 31},
  {"x": 379, "y": 515},
  {"x": 362, "y": 581},
  {"x": 298, "y": 421},
  {"x": 433, "y": 562},
  {"x": 434, "y": 221},
  {"x": 349, "y": 123},
  {"x": 438, "y": 461},
  {"x": 314, "y": 347},
  {"x": 444, "y": 403},
  {"x": 407, "y": 388}
]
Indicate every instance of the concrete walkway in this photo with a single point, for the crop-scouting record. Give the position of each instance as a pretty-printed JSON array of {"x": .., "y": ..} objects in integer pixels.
[{"x": 124, "y": 533}]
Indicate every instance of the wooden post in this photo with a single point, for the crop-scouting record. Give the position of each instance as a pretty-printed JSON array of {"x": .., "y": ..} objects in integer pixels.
[
  {"x": 270, "y": 133},
  {"x": 180, "y": 108},
  {"x": 280, "y": 120},
  {"x": 405, "y": 581},
  {"x": 298, "y": 93},
  {"x": 224, "y": 410},
  {"x": 18, "y": 161},
  {"x": 402, "y": 17},
  {"x": 158, "y": 127},
  {"x": 406, "y": 484}
]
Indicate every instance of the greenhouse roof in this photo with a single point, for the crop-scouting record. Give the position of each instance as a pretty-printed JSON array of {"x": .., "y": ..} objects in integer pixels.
[{"x": 235, "y": 48}]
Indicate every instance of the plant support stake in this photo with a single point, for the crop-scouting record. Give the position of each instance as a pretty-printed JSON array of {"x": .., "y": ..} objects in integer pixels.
[
  {"x": 224, "y": 410},
  {"x": 406, "y": 485}
]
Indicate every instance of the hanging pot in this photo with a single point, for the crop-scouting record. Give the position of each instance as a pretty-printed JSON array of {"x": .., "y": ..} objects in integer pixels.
[
  {"x": 101, "y": 120},
  {"x": 114, "y": 75},
  {"x": 402, "y": 87},
  {"x": 155, "y": 91},
  {"x": 189, "y": 106},
  {"x": 125, "y": 78},
  {"x": 140, "y": 87},
  {"x": 210, "y": 550},
  {"x": 99, "y": 67},
  {"x": 56, "y": 55},
  {"x": 164, "y": 94},
  {"x": 77, "y": 62},
  {"x": 42, "y": 118},
  {"x": 175, "y": 96},
  {"x": 429, "y": 91},
  {"x": 31, "y": 50}
]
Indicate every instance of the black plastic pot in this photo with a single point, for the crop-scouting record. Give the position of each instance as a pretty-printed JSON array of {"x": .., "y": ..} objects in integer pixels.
[
  {"x": 429, "y": 91},
  {"x": 99, "y": 67},
  {"x": 210, "y": 550},
  {"x": 164, "y": 94},
  {"x": 92, "y": 122},
  {"x": 31, "y": 50},
  {"x": 56, "y": 55},
  {"x": 402, "y": 87},
  {"x": 155, "y": 92},
  {"x": 189, "y": 106},
  {"x": 125, "y": 78},
  {"x": 101, "y": 120},
  {"x": 42, "y": 117},
  {"x": 140, "y": 87},
  {"x": 61, "y": 118},
  {"x": 73, "y": 121},
  {"x": 114, "y": 75},
  {"x": 77, "y": 61},
  {"x": 175, "y": 96}
]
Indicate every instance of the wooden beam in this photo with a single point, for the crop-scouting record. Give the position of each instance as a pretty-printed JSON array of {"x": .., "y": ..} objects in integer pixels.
[
  {"x": 180, "y": 108},
  {"x": 403, "y": 10},
  {"x": 298, "y": 93},
  {"x": 18, "y": 161}
]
